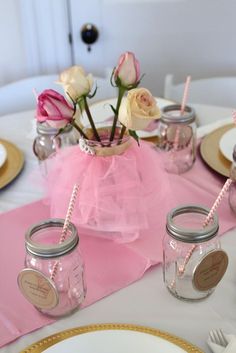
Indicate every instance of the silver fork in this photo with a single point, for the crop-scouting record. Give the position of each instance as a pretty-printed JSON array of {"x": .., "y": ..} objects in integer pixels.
[{"x": 218, "y": 337}]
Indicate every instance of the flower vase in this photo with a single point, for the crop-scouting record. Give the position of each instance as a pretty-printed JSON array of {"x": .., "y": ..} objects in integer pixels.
[{"x": 121, "y": 186}]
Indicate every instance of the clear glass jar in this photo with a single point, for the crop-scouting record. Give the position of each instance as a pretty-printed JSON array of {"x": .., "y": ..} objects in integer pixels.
[
  {"x": 193, "y": 262},
  {"x": 53, "y": 280},
  {"x": 232, "y": 188},
  {"x": 177, "y": 138},
  {"x": 46, "y": 143},
  {"x": 105, "y": 147}
]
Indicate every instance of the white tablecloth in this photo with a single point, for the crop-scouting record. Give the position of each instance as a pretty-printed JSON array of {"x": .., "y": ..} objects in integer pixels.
[{"x": 146, "y": 302}]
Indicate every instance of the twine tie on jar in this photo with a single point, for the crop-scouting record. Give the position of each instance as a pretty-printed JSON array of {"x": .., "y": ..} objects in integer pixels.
[{"x": 85, "y": 147}]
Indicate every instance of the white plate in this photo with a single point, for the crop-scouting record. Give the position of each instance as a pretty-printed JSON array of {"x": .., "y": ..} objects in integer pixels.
[
  {"x": 112, "y": 338},
  {"x": 227, "y": 142},
  {"x": 101, "y": 111},
  {"x": 3, "y": 155}
]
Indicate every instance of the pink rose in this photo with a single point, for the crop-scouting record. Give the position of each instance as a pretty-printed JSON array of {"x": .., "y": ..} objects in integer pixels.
[
  {"x": 54, "y": 109},
  {"x": 127, "y": 70}
]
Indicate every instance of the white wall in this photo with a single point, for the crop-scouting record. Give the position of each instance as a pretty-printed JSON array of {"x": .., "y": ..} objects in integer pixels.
[
  {"x": 183, "y": 37},
  {"x": 12, "y": 58},
  {"x": 33, "y": 37}
]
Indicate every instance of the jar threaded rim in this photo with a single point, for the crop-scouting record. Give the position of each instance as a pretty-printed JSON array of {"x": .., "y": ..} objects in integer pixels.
[
  {"x": 189, "y": 235},
  {"x": 51, "y": 250}
]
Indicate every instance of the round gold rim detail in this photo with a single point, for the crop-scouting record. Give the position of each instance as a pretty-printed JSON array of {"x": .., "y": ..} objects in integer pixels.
[{"x": 49, "y": 341}]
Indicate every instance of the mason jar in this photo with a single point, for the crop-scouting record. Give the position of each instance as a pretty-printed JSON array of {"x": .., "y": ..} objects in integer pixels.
[
  {"x": 232, "y": 188},
  {"x": 48, "y": 142},
  {"x": 105, "y": 147},
  {"x": 53, "y": 277},
  {"x": 177, "y": 138},
  {"x": 193, "y": 261}
]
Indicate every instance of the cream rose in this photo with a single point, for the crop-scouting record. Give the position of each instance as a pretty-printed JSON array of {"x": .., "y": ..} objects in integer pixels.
[
  {"x": 75, "y": 82},
  {"x": 138, "y": 109}
]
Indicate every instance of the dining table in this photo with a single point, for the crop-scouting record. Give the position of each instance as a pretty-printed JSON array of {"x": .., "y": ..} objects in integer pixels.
[{"x": 146, "y": 301}]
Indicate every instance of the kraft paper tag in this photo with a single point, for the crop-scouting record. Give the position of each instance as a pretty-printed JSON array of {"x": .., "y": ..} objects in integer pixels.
[
  {"x": 210, "y": 270},
  {"x": 38, "y": 289}
]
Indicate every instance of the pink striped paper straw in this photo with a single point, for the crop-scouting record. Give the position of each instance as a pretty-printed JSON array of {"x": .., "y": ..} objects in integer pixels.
[
  {"x": 186, "y": 260},
  {"x": 183, "y": 104},
  {"x": 234, "y": 116},
  {"x": 217, "y": 202},
  {"x": 185, "y": 95},
  {"x": 66, "y": 225},
  {"x": 176, "y": 140},
  {"x": 69, "y": 212},
  {"x": 35, "y": 94}
]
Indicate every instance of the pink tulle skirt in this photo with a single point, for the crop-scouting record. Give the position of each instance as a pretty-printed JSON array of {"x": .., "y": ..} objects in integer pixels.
[{"x": 120, "y": 196}]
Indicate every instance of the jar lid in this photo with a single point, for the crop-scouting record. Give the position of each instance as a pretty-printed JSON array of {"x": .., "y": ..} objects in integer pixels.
[
  {"x": 47, "y": 249},
  {"x": 45, "y": 129},
  {"x": 190, "y": 235},
  {"x": 168, "y": 115}
]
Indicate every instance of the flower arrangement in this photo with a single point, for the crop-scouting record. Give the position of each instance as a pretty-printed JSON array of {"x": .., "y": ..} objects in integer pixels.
[
  {"x": 118, "y": 196},
  {"x": 135, "y": 109}
]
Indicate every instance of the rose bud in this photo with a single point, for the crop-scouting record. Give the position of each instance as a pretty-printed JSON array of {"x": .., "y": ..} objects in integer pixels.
[
  {"x": 127, "y": 72},
  {"x": 75, "y": 82}
]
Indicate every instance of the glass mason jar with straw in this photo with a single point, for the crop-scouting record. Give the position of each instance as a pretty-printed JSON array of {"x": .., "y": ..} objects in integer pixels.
[
  {"x": 177, "y": 135},
  {"x": 177, "y": 138},
  {"x": 193, "y": 261},
  {"x": 53, "y": 277}
]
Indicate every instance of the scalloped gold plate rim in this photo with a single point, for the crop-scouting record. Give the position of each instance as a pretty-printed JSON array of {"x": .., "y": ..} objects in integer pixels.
[
  {"x": 13, "y": 164},
  {"x": 210, "y": 151},
  {"x": 49, "y": 341}
]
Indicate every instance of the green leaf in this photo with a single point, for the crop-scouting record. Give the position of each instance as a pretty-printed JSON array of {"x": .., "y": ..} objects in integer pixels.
[
  {"x": 118, "y": 82},
  {"x": 70, "y": 98},
  {"x": 134, "y": 135},
  {"x": 112, "y": 78},
  {"x": 113, "y": 109},
  {"x": 93, "y": 94},
  {"x": 60, "y": 131}
]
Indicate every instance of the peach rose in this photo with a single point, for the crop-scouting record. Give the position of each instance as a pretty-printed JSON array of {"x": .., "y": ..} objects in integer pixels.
[{"x": 138, "y": 109}]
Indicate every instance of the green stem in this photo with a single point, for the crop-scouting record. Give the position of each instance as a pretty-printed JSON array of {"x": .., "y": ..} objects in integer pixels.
[
  {"x": 86, "y": 107},
  {"x": 122, "y": 133},
  {"x": 120, "y": 96},
  {"x": 74, "y": 107},
  {"x": 79, "y": 129},
  {"x": 73, "y": 123}
]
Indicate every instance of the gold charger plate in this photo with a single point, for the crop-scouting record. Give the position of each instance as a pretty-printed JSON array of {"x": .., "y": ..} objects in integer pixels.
[
  {"x": 52, "y": 340},
  {"x": 13, "y": 165},
  {"x": 210, "y": 151}
]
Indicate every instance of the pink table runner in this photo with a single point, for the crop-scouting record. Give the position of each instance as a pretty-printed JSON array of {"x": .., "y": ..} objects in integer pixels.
[{"x": 122, "y": 265}]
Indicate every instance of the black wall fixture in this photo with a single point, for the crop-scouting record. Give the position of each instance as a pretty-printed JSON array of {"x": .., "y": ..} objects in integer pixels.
[{"x": 89, "y": 34}]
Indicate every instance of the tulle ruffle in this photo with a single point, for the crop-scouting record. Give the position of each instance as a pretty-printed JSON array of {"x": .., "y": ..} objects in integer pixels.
[{"x": 119, "y": 196}]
